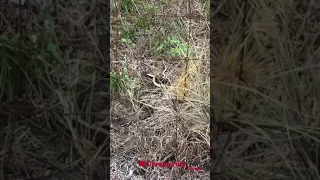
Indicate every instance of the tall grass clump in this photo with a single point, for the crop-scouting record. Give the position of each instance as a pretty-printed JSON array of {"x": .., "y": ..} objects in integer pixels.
[{"x": 265, "y": 85}]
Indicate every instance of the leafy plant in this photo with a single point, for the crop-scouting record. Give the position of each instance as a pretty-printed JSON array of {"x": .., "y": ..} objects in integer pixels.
[
  {"x": 128, "y": 33},
  {"x": 127, "y": 36},
  {"x": 133, "y": 25},
  {"x": 172, "y": 47}
]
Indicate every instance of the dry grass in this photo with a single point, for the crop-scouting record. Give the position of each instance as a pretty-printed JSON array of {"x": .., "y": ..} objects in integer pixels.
[
  {"x": 50, "y": 112},
  {"x": 276, "y": 124},
  {"x": 176, "y": 124}
]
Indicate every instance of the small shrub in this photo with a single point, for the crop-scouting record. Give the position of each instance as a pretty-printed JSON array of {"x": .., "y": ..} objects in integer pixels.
[{"x": 172, "y": 47}]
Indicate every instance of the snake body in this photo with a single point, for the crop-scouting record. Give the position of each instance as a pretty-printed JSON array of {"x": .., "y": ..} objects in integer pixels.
[{"x": 156, "y": 81}]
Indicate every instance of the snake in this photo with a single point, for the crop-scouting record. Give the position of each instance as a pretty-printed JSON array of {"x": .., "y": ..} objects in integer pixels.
[{"x": 154, "y": 77}]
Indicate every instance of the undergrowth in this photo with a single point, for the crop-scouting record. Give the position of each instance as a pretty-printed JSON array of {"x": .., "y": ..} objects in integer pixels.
[
  {"x": 50, "y": 90},
  {"x": 25, "y": 69},
  {"x": 158, "y": 46}
]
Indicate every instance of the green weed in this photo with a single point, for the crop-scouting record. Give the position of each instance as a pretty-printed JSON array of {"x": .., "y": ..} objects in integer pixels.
[
  {"x": 119, "y": 80},
  {"x": 127, "y": 36},
  {"x": 173, "y": 47},
  {"x": 143, "y": 23},
  {"x": 132, "y": 26},
  {"x": 135, "y": 6}
]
